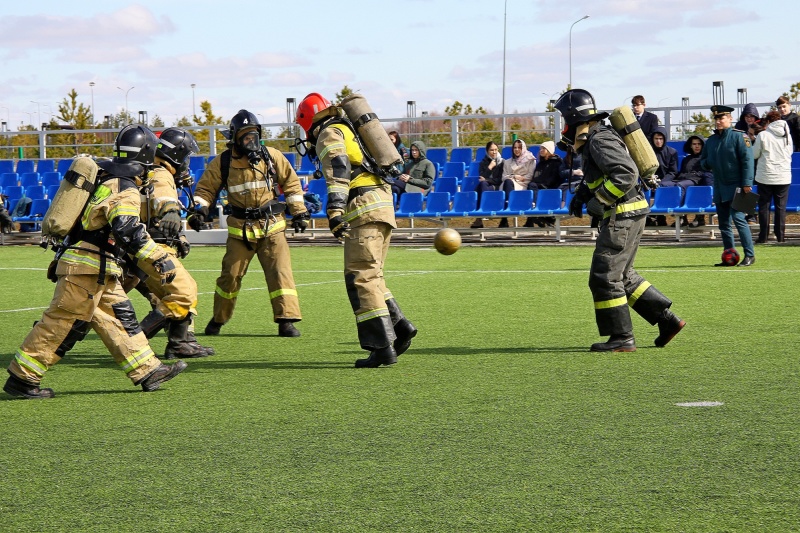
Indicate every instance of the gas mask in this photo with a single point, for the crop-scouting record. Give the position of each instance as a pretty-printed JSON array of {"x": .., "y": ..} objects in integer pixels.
[{"x": 581, "y": 134}]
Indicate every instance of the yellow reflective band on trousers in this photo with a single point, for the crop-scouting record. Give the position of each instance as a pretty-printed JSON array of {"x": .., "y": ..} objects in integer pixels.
[
  {"x": 638, "y": 292},
  {"x": 624, "y": 208},
  {"x": 377, "y": 203},
  {"x": 135, "y": 360},
  {"x": 226, "y": 295},
  {"x": 255, "y": 232},
  {"x": 608, "y": 304},
  {"x": 30, "y": 363},
  {"x": 282, "y": 292},
  {"x": 335, "y": 146},
  {"x": 147, "y": 250},
  {"x": 112, "y": 269},
  {"x": 373, "y": 313},
  {"x": 388, "y": 295}
]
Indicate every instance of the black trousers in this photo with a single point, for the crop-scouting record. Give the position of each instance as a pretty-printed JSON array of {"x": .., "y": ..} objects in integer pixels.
[{"x": 766, "y": 194}]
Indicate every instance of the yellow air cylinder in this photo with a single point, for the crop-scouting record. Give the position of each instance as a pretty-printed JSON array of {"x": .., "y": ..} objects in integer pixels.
[
  {"x": 624, "y": 122},
  {"x": 67, "y": 206},
  {"x": 370, "y": 131}
]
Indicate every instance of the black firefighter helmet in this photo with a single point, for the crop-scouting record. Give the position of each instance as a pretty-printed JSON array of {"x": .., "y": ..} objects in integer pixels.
[
  {"x": 241, "y": 121},
  {"x": 134, "y": 151},
  {"x": 175, "y": 146},
  {"x": 577, "y": 106}
]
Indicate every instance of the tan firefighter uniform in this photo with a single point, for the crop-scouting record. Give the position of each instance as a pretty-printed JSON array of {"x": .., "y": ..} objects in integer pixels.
[
  {"x": 251, "y": 232},
  {"x": 88, "y": 291},
  {"x": 365, "y": 202}
]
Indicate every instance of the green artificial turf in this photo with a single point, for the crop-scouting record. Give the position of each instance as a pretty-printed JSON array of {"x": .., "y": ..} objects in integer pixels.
[{"x": 496, "y": 419}]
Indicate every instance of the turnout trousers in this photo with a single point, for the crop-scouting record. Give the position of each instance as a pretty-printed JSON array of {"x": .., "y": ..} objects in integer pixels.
[
  {"x": 614, "y": 283},
  {"x": 273, "y": 254},
  {"x": 80, "y": 302},
  {"x": 365, "y": 253},
  {"x": 179, "y": 297}
]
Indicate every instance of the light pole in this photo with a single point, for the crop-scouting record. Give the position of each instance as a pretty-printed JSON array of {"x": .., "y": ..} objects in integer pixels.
[
  {"x": 126, "y": 100},
  {"x": 91, "y": 88},
  {"x": 8, "y": 115},
  {"x": 38, "y": 110},
  {"x": 503, "y": 106},
  {"x": 194, "y": 114},
  {"x": 570, "y": 47}
]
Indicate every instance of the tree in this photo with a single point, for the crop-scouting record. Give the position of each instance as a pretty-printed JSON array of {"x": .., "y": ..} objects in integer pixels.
[
  {"x": 72, "y": 115},
  {"x": 71, "y": 112},
  {"x": 206, "y": 118},
  {"x": 702, "y": 126},
  {"x": 341, "y": 95}
]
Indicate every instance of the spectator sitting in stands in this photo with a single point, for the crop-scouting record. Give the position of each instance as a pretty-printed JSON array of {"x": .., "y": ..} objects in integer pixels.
[
  {"x": 571, "y": 172},
  {"x": 6, "y": 224},
  {"x": 401, "y": 149},
  {"x": 517, "y": 172},
  {"x": 692, "y": 174},
  {"x": 418, "y": 171},
  {"x": 647, "y": 120},
  {"x": 791, "y": 118},
  {"x": 773, "y": 149},
  {"x": 547, "y": 175},
  {"x": 491, "y": 172},
  {"x": 667, "y": 166}
]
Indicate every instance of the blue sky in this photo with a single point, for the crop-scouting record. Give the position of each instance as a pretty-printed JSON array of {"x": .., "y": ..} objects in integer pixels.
[{"x": 255, "y": 54}]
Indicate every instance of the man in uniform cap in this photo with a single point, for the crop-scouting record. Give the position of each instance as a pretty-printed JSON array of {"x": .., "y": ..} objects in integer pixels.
[{"x": 728, "y": 155}]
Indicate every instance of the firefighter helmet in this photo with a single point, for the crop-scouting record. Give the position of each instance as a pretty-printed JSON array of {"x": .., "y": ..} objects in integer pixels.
[
  {"x": 175, "y": 146},
  {"x": 135, "y": 144},
  {"x": 310, "y": 106},
  {"x": 241, "y": 122},
  {"x": 577, "y": 106}
]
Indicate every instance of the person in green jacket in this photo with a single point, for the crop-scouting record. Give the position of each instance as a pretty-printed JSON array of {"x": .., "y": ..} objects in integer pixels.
[
  {"x": 418, "y": 171},
  {"x": 727, "y": 153}
]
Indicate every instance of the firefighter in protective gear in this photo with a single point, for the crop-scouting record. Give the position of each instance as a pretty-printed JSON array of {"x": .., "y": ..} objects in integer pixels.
[
  {"x": 360, "y": 213},
  {"x": 253, "y": 176},
  {"x": 88, "y": 291},
  {"x": 611, "y": 188},
  {"x": 177, "y": 300}
]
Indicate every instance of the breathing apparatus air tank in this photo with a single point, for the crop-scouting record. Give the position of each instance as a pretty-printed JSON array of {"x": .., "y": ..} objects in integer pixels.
[
  {"x": 624, "y": 122},
  {"x": 70, "y": 200},
  {"x": 371, "y": 132}
]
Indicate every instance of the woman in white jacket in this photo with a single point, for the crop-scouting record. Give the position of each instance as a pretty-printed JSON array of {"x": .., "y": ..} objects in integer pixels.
[
  {"x": 517, "y": 172},
  {"x": 773, "y": 150}
]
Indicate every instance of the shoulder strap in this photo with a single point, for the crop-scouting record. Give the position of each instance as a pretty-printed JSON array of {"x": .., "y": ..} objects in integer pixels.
[{"x": 225, "y": 167}]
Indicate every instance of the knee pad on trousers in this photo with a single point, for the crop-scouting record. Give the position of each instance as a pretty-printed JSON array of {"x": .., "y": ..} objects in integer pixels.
[{"x": 78, "y": 332}]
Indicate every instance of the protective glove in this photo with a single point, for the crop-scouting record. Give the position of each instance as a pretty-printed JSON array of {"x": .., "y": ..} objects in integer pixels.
[
  {"x": 582, "y": 195},
  {"x": 183, "y": 247},
  {"x": 195, "y": 220},
  {"x": 339, "y": 227},
  {"x": 170, "y": 224},
  {"x": 51, "y": 271},
  {"x": 166, "y": 268},
  {"x": 300, "y": 222}
]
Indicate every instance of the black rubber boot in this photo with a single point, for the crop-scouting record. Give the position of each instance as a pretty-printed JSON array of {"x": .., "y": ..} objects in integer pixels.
[
  {"x": 160, "y": 375},
  {"x": 181, "y": 342},
  {"x": 213, "y": 327},
  {"x": 153, "y": 323},
  {"x": 616, "y": 343},
  {"x": 28, "y": 391},
  {"x": 669, "y": 325},
  {"x": 287, "y": 329},
  {"x": 382, "y": 356},
  {"x": 404, "y": 330}
]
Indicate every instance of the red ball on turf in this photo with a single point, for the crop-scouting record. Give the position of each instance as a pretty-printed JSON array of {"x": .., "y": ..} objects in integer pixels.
[{"x": 730, "y": 257}]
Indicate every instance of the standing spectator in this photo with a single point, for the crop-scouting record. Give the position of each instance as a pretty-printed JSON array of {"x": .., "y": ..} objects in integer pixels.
[
  {"x": 747, "y": 119},
  {"x": 791, "y": 118},
  {"x": 401, "y": 149},
  {"x": 547, "y": 175},
  {"x": 647, "y": 120},
  {"x": 517, "y": 172},
  {"x": 667, "y": 164},
  {"x": 490, "y": 171},
  {"x": 773, "y": 149},
  {"x": 418, "y": 171},
  {"x": 728, "y": 154}
]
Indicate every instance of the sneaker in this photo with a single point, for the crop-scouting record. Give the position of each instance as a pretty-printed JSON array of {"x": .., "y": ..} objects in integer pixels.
[
  {"x": 616, "y": 343},
  {"x": 28, "y": 391},
  {"x": 213, "y": 327},
  {"x": 669, "y": 325},
  {"x": 382, "y": 356},
  {"x": 747, "y": 261},
  {"x": 160, "y": 375},
  {"x": 287, "y": 329}
]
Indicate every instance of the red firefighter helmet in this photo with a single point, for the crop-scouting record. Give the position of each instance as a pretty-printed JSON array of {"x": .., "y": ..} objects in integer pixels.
[{"x": 310, "y": 106}]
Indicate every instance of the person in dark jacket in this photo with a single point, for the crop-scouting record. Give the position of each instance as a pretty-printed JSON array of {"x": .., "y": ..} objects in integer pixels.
[
  {"x": 728, "y": 154},
  {"x": 647, "y": 120},
  {"x": 748, "y": 117},
  {"x": 691, "y": 173},
  {"x": 667, "y": 164},
  {"x": 398, "y": 144},
  {"x": 490, "y": 171},
  {"x": 791, "y": 118},
  {"x": 546, "y": 175},
  {"x": 418, "y": 171}
]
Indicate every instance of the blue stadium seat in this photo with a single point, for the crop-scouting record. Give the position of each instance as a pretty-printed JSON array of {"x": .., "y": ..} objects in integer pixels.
[
  {"x": 14, "y": 192},
  {"x": 9, "y": 179},
  {"x": 320, "y": 188},
  {"x": 447, "y": 184},
  {"x": 437, "y": 155},
  {"x": 548, "y": 202},
  {"x": 63, "y": 166},
  {"x": 464, "y": 203},
  {"x": 474, "y": 169},
  {"x": 796, "y": 173},
  {"x": 454, "y": 170},
  {"x": 291, "y": 157},
  {"x": 436, "y": 203},
  {"x": 667, "y": 199},
  {"x": 492, "y": 203},
  {"x": 678, "y": 145},
  {"x": 534, "y": 150},
  {"x": 470, "y": 183},
  {"x": 564, "y": 209},
  {"x": 795, "y": 159},
  {"x": 793, "y": 199},
  {"x": 507, "y": 152},
  {"x": 34, "y": 192},
  {"x": 51, "y": 178},
  {"x": 197, "y": 164},
  {"x": 480, "y": 153},
  {"x": 699, "y": 199},
  {"x": 46, "y": 165},
  {"x": 39, "y": 207},
  {"x": 51, "y": 191},
  {"x": 25, "y": 165},
  {"x": 210, "y": 159},
  {"x": 307, "y": 167},
  {"x": 519, "y": 202},
  {"x": 29, "y": 179},
  {"x": 461, "y": 155},
  {"x": 410, "y": 205},
  {"x": 6, "y": 165}
]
